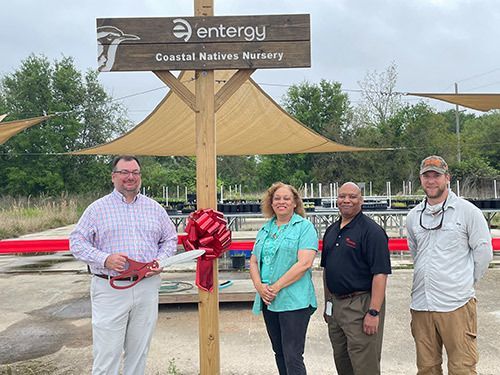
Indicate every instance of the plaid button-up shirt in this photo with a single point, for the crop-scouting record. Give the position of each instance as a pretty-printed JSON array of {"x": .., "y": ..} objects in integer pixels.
[{"x": 141, "y": 229}]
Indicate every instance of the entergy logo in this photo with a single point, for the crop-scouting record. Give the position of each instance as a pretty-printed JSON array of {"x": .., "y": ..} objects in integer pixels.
[{"x": 182, "y": 29}]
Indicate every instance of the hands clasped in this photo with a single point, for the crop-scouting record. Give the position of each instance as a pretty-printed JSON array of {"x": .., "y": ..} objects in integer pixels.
[{"x": 267, "y": 293}]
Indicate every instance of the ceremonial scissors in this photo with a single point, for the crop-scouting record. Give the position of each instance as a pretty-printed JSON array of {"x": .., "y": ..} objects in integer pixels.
[{"x": 141, "y": 269}]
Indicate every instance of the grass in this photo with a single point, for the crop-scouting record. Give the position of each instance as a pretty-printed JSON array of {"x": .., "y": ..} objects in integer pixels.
[{"x": 19, "y": 216}]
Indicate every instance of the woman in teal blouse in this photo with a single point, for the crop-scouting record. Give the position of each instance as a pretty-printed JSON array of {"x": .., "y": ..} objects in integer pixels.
[{"x": 280, "y": 268}]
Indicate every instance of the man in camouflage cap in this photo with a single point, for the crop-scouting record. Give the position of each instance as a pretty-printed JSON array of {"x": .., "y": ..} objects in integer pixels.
[{"x": 450, "y": 243}]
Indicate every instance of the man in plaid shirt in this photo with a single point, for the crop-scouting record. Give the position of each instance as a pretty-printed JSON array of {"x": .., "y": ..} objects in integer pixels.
[{"x": 123, "y": 223}]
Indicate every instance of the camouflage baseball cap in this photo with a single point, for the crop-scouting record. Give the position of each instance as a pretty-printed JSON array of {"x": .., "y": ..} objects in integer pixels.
[{"x": 434, "y": 163}]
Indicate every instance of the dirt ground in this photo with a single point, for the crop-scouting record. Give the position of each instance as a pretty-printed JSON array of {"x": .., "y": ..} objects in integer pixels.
[{"x": 45, "y": 328}]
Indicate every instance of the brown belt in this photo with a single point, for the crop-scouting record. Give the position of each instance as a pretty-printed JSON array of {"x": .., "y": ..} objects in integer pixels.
[
  {"x": 350, "y": 295},
  {"x": 108, "y": 277}
]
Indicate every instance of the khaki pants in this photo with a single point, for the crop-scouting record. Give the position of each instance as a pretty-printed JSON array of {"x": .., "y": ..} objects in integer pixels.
[
  {"x": 456, "y": 330},
  {"x": 354, "y": 352}
]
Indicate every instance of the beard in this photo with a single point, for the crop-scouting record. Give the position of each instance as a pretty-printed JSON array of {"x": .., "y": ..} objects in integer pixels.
[{"x": 438, "y": 192}]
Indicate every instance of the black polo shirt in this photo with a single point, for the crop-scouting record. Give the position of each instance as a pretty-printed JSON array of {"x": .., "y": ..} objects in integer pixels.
[{"x": 353, "y": 254}]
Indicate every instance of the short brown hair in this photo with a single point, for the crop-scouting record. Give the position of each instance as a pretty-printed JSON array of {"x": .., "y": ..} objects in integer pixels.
[
  {"x": 267, "y": 199},
  {"x": 126, "y": 158}
]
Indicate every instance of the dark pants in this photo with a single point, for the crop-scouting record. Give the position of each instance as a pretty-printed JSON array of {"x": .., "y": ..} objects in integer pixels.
[{"x": 287, "y": 331}]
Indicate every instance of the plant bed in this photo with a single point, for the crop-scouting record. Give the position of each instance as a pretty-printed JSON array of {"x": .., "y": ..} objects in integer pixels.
[
  {"x": 374, "y": 206},
  {"x": 399, "y": 205},
  {"x": 188, "y": 209}
]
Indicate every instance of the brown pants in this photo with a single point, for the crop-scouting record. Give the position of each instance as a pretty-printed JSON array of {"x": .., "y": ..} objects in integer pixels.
[
  {"x": 456, "y": 330},
  {"x": 354, "y": 352}
]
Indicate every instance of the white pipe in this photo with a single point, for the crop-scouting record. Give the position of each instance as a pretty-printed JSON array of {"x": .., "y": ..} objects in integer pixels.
[
  {"x": 335, "y": 193},
  {"x": 389, "y": 194},
  {"x": 331, "y": 195},
  {"x": 458, "y": 188},
  {"x": 495, "y": 188},
  {"x": 312, "y": 190},
  {"x": 320, "y": 187},
  {"x": 305, "y": 190},
  {"x": 222, "y": 193}
]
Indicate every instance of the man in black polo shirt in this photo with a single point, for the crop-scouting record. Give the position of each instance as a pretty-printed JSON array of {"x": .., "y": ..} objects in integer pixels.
[{"x": 356, "y": 263}]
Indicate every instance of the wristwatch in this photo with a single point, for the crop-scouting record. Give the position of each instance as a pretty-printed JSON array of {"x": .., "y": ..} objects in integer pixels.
[{"x": 373, "y": 312}]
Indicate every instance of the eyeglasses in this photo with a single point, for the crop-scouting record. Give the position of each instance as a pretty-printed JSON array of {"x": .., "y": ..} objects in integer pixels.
[
  {"x": 440, "y": 225},
  {"x": 125, "y": 173}
]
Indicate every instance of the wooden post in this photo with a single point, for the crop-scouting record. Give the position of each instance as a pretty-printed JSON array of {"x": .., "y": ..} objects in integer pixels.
[{"x": 206, "y": 191}]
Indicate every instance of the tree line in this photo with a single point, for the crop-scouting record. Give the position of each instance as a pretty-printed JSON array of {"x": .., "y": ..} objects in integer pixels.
[{"x": 34, "y": 163}]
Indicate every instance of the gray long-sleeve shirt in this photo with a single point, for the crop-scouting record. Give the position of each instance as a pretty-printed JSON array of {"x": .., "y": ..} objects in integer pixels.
[{"x": 447, "y": 261}]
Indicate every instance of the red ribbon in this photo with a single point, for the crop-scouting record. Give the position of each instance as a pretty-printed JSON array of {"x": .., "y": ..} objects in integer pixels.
[{"x": 207, "y": 230}]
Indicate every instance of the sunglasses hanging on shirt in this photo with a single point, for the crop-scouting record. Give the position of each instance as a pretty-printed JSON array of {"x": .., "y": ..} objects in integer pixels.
[{"x": 440, "y": 225}]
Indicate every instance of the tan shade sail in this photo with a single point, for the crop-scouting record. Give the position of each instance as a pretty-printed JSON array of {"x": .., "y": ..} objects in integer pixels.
[
  {"x": 249, "y": 123},
  {"x": 480, "y": 102},
  {"x": 11, "y": 128},
  {"x": 2, "y": 117}
]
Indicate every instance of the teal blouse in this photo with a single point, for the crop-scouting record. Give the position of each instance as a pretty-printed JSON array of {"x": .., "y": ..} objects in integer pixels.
[{"x": 280, "y": 250}]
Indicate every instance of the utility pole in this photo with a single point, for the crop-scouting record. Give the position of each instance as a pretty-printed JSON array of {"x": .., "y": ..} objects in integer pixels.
[{"x": 457, "y": 126}]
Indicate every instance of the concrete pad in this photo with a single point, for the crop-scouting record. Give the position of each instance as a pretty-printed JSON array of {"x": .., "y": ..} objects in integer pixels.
[{"x": 46, "y": 329}]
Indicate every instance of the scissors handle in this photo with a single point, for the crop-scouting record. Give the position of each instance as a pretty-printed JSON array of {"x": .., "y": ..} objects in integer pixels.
[{"x": 135, "y": 268}]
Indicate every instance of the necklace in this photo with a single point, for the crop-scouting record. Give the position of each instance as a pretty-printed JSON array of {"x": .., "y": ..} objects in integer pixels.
[
  {"x": 280, "y": 229},
  {"x": 272, "y": 242}
]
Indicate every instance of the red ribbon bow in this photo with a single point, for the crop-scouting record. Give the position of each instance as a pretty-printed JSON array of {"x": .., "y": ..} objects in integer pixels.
[{"x": 207, "y": 230}]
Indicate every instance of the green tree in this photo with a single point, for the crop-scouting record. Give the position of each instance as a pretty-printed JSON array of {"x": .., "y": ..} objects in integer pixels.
[
  {"x": 325, "y": 109},
  {"x": 322, "y": 107},
  {"x": 481, "y": 139},
  {"x": 233, "y": 170},
  {"x": 85, "y": 116}
]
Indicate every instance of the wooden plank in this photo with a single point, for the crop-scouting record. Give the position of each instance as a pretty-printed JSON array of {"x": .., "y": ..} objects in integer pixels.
[
  {"x": 231, "y": 86},
  {"x": 147, "y": 57},
  {"x": 168, "y": 299},
  {"x": 178, "y": 87},
  {"x": 182, "y": 30},
  {"x": 239, "y": 291}
]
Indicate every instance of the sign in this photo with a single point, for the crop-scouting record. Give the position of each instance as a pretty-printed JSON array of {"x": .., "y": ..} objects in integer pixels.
[{"x": 190, "y": 43}]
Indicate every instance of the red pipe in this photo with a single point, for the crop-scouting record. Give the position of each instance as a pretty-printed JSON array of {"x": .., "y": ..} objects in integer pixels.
[{"x": 62, "y": 244}]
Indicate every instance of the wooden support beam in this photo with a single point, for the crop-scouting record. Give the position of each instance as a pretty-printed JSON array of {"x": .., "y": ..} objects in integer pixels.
[
  {"x": 206, "y": 197},
  {"x": 231, "y": 86},
  {"x": 178, "y": 87}
]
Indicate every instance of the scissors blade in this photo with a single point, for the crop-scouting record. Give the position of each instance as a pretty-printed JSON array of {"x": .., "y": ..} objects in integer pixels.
[{"x": 181, "y": 258}]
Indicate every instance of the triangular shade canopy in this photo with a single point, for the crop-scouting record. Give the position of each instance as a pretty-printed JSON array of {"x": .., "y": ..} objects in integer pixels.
[
  {"x": 480, "y": 102},
  {"x": 11, "y": 128},
  {"x": 249, "y": 123}
]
